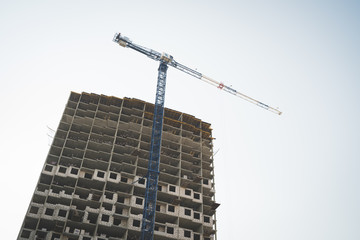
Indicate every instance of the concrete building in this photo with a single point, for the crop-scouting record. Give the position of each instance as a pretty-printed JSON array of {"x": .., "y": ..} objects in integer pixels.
[{"x": 92, "y": 187}]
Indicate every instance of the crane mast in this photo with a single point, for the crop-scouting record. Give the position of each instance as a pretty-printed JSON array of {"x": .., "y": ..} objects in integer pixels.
[
  {"x": 147, "y": 228},
  {"x": 148, "y": 221}
]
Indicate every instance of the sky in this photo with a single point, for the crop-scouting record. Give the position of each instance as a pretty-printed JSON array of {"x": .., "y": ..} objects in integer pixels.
[{"x": 294, "y": 176}]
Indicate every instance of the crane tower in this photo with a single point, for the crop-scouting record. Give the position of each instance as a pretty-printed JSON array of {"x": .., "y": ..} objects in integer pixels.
[{"x": 148, "y": 221}]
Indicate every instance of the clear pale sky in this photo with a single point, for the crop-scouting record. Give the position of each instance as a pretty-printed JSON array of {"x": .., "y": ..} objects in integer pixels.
[{"x": 294, "y": 176}]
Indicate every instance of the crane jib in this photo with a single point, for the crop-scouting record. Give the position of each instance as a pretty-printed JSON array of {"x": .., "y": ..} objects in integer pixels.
[
  {"x": 263, "y": 105},
  {"x": 230, "y": 89}
]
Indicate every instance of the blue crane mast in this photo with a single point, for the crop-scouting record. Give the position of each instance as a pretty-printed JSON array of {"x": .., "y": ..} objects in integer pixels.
[{"x": 148, "y": 220}]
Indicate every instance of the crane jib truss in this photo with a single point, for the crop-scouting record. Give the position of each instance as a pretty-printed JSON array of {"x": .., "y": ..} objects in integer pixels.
[{"x": 148, "y": 221}]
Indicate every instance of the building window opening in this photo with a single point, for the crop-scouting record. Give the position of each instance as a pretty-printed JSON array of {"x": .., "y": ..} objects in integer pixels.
[
  {"x": 121, "y": 199},
  {"x": 48, "y": 168},
  {"x": 108, "y": 206},
  {"x": 62, "y": 213},
  {"x": 105, "y": 218},
  {"x": 170, "y": 230},
  {"x": 74, "y": 171},
  {"x": 117, "y": 222},
  {"x": 34, "y": 210},
  {"x": 62, "y": 170},
  {"x": 136, "y": 223},
  {"x": 172, "y": 188},
  {"x": 187, "y": 234},
  {"x": 119, "y": 211},
  {"x": 55, "y": 236},
  {"x": 25, "y": 234},
  {"x": 139, "y": 201},
  {"x": 171, "y": 208},
  {"x": 124, "y": 179},
  {"x": 109, "y": 195},
  {"x": 196, "y": 196},
  {"x": 93, "y": 218},
  {"x": 196, "y": 236},
  {"x": 49, "y": 211},
  {"x": 101, "y": 174}
]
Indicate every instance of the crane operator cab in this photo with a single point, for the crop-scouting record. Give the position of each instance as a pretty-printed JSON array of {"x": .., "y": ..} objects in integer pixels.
[{"x": 166, "y": 57}]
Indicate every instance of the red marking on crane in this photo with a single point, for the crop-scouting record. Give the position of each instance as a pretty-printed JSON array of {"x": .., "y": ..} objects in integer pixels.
[{"x": 221, "y": 86}]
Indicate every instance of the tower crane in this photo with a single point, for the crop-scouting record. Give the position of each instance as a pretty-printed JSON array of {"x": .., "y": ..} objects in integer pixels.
[{"x": 148, "y": 220}]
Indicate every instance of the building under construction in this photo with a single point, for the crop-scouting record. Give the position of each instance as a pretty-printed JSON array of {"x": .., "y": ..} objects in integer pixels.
[{"x": 92, "y": 185}]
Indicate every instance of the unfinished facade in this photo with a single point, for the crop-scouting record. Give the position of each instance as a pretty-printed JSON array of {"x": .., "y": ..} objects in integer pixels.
[{"x": 92, "y": 187}]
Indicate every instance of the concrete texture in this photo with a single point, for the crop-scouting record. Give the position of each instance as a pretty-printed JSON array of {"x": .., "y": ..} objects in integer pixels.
[{"x": 92, "y": 185}]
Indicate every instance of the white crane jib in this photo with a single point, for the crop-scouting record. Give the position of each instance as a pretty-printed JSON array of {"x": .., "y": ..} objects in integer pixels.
[{"x": 126, "y": 42}]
